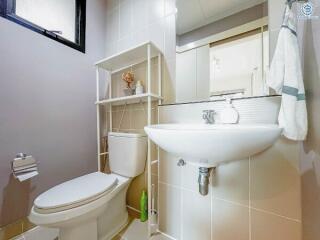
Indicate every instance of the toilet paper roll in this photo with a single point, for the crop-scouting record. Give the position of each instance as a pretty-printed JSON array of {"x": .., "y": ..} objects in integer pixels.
[
  {"x": 25, "y": 176},
  {"x": 23, "y": 162},
  {"x": 24, "y": 167}
]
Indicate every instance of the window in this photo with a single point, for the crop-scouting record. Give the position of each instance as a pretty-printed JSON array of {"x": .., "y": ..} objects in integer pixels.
[
  {"x": 247, "y": 55},
  {"x": 60, "y": 20}
]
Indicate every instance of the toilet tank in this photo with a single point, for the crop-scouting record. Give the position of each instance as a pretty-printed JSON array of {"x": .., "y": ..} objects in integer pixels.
[{"x": 127, "y": 153}]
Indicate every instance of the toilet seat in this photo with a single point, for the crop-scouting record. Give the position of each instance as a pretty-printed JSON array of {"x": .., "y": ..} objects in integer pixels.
[{"x": 75, "y": 193}]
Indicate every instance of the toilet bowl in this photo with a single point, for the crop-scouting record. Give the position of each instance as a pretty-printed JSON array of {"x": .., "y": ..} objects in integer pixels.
[{"x": 93, "y": 206}]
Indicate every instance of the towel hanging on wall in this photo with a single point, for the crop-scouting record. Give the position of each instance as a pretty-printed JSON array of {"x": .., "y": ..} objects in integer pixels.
[{"x": 285, "y": 77}]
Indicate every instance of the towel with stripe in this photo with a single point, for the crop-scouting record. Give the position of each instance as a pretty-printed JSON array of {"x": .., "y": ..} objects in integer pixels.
[{"x": 285, "y": 77}]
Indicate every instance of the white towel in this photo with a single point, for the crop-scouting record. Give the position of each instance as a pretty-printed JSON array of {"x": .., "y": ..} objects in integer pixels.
[{"x": 285, "y": 77}]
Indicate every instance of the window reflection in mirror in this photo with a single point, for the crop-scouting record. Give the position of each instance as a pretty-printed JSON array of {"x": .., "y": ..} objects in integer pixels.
[
  {"x": 238, "y": 65},
  {"x": 222, "y": 49}
]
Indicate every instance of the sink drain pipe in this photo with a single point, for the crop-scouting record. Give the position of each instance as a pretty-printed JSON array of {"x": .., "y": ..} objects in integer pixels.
[{"x": 203, "y": 180}]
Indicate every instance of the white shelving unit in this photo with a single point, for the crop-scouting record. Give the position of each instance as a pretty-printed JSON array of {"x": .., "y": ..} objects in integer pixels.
[
  {"x": 130, "y": 99},
  {"x": 113, "y": 64}
]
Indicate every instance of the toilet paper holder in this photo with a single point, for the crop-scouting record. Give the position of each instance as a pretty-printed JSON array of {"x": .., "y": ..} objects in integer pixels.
[
  {"x": 29, "y": 168},
  {"x": 21, "y": 155}
]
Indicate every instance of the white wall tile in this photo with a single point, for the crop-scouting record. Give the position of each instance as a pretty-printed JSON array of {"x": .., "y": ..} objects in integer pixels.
[
  {"x": 273, "y": 38},
  {"x": 170, "y": 37},
  {"x": 112, "y": 30},
  {"x": 125, "y": 21},
  {"x": 170, "y": 7},
  {"x": 133, "y": 22},
  {"x": 257, "y": 110},
  {"x": 139, "y": 119},
  {"x": 268, "y": 226},
  {"x": 170, "y": 173},
  {"x": 141, "y": 36},
  {"x": 155, "y": 10},
  {"x": 129, "y": 23},
  {"x": 170, "y": 210},
  {"x": 111, "y": 48},
  {"x": 156, "y": 33},
  {"x": 111, "y": 4},
  {"x": 229, "y": 221},
  {"x": 189, "y": 179},
  {"x": 124, "y": 43},
  {"x": 139, "y": 15},
  {"x": 231, "y": 182},
  {"x": 276, "y": 12},
  {"x": 275, "y": 180},
  {"x": 125, "y": 123},
  {"x": 196, "y": 216},
  {"x": 232, "y": 198},
  {"x": 169, "y": 81}
]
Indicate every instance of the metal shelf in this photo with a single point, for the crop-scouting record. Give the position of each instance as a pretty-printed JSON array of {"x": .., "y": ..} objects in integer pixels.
[
  {"x": 135, "y": 55},
  {"x": 127, "y": 58},
  {"x": 130, "y": 99}
]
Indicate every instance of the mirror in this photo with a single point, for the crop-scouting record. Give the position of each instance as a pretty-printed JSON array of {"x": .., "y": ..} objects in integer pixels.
[{"x": 222, "y": 49}]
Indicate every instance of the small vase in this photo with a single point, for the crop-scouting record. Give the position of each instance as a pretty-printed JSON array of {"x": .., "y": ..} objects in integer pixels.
[{"x": 128, "y": 91}]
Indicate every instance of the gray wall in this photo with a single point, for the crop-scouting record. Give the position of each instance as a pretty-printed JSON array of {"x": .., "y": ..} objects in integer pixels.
[
  {"x": 309, "y": 39},
  {"x": 224, "y": 24},
  {"x": 310, "y": 156},
  {"x": 47, "y": 94},
  {"x": 276, "y": 10}
]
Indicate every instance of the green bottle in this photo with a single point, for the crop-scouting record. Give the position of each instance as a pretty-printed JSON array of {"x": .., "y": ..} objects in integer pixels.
[{"x": 144, "y": 206}]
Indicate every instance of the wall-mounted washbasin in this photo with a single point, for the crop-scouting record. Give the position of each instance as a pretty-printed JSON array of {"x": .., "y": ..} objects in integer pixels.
[{"x": 207, "y": 145}]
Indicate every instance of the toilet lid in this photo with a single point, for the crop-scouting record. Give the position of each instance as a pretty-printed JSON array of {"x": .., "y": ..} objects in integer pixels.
[{"x": 76, "y": 191}]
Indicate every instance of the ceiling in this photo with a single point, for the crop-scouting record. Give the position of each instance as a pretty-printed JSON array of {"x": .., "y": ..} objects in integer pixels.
[{"x": 193, "y": 14}]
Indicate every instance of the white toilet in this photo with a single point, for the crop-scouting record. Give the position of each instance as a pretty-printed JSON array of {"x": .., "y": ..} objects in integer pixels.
[{"x": 93, "y": 206}]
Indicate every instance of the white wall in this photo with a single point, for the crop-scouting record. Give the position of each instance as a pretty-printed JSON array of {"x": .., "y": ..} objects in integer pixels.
[
  {"x": 309, "y": 35},
  {"x": 130, "y": 22},
  {"x": 276, "y": 10},
  {"x": 256, "y": 198}
]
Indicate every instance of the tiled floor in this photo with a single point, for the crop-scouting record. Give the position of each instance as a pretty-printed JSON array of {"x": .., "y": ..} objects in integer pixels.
[{"x": 136, "y": 230}]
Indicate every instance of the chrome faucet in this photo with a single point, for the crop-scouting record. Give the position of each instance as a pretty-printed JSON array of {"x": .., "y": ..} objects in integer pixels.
[{"x": 208, "y": 116}]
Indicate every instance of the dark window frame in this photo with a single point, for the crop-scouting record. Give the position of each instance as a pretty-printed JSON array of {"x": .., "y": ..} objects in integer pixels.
[{"x": 7, "y": 10}]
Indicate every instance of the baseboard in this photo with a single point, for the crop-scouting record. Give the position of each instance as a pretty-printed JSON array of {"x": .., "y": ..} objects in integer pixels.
[
  {"x": 52, "y": 234},
  {"x": 133, "y": 212},
  {"x": 133, "y": 209},
  {"x": 39, "y": 233}
]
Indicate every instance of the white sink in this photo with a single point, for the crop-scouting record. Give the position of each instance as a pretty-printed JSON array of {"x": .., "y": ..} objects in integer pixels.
[{"x": 208, "y": 145}]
